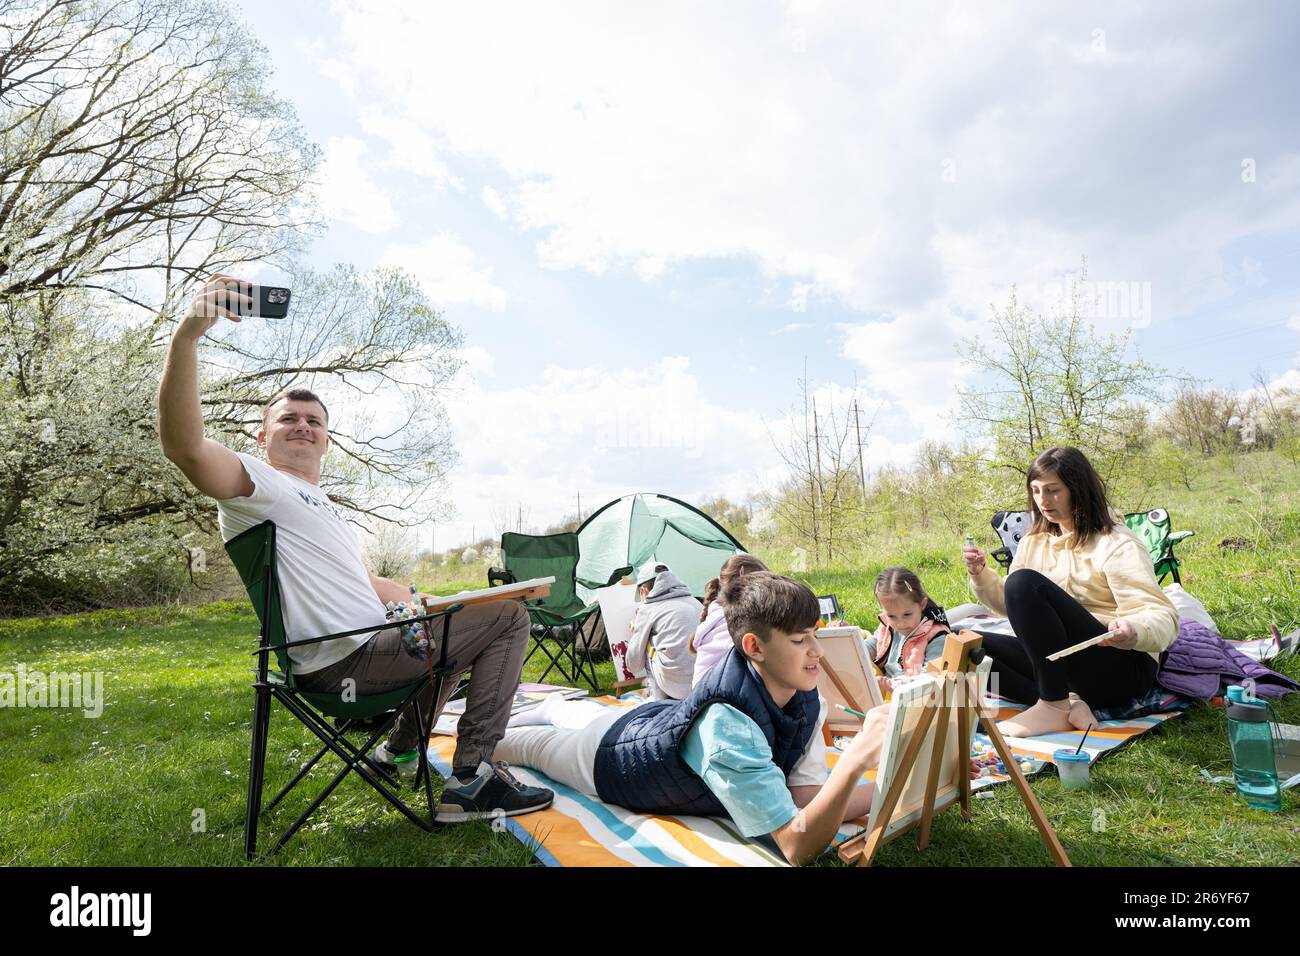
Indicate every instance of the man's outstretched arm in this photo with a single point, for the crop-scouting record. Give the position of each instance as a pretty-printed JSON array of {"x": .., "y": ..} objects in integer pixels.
[{"x": 210, "y": 466}]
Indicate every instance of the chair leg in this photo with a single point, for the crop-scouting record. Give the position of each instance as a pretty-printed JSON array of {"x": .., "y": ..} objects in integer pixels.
[
  {"x": 256, "y": 765},
  {"x": 350, "y": 763},
  {"x": 425, "y": 730},
  {"x": 591, "y": 665},
  {"x": 556, "y": 659},
  {"x": 576, "y": 658},
  {"x": 306, "y": 769}
]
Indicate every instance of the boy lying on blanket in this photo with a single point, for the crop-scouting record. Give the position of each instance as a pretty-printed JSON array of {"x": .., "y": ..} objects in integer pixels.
[{"x": 745, "y": 743}]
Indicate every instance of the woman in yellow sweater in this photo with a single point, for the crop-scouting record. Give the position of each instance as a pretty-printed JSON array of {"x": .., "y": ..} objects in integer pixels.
[{"x": 1078, "y": 573}]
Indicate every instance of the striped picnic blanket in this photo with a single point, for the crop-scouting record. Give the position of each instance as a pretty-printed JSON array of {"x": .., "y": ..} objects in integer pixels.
[
  {"x": 1108, "y": 735},
  {"x": 578, "y": 830}
]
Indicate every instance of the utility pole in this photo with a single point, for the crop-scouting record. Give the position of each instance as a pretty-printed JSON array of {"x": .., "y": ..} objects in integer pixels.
[
  {"x": 580, "y": 507},
  {"x": 821, "y": 489},
  {"x": 862, "y": 472},
  {"x": 817, "y": 445}
]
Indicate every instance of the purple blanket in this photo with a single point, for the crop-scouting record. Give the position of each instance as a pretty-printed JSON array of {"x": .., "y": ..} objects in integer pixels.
[{"x": 1199, "y": 662}]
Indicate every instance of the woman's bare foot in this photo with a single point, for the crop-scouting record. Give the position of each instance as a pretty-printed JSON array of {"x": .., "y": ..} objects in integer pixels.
[
  {"x": 1045, "y": 717},
  {"x": 1081, "y": 716}
]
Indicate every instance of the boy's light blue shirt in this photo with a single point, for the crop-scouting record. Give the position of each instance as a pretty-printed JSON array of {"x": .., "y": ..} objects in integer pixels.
[{"x": 732, "y": 757}]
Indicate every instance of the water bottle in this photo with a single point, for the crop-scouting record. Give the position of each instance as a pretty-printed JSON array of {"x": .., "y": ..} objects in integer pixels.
[
  {"x": 408, "y": 765},
  {"x": 1254, "y": 764}
]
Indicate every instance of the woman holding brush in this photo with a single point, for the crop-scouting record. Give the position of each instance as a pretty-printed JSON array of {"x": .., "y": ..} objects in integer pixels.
[{"x": 1079, "y": 573}]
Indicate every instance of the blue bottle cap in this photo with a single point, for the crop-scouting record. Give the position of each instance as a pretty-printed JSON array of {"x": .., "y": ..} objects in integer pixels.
[
  {"x": 1068, "y": 755},
  {"x": 1236, "y": 693}
]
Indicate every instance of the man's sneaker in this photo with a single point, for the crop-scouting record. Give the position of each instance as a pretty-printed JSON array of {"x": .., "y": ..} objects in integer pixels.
[{"x": 494, "y": 793}]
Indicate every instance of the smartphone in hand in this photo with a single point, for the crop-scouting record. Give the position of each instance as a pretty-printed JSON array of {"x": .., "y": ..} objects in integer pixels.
[{"x": 269, "y": 301}]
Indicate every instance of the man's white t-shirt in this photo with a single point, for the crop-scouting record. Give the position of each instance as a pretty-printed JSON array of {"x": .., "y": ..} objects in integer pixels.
[{"x": 324, "y": 585}]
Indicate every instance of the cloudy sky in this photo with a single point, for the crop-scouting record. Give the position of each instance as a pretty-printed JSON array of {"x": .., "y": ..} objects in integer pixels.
[{"x": 647, "y": 219}]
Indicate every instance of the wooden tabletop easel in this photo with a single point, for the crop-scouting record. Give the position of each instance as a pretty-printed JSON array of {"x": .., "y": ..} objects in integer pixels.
[{"x": 958, "y": 699}]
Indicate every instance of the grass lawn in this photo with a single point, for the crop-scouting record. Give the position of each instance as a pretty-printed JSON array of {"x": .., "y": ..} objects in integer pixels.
[{"x": 171, "y": 746}]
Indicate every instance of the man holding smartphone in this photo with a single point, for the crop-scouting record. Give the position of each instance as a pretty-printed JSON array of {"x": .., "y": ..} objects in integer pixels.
[{"x": 325, "y": 585}]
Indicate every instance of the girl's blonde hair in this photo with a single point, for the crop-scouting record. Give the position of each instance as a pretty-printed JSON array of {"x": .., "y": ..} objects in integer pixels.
[{"x": 901, "y": 582}]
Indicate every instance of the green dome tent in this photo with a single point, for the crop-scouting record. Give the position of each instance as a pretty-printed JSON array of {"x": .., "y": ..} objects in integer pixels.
[{"x": 635, "y": 528}]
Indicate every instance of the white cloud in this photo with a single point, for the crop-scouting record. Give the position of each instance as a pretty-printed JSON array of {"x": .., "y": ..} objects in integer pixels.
[
  {"x": 912, "y": 363},
  {"x": 492, "y": 199},
  {"x": 599, "y": 433},
  {"x": 1290, "y": 379},
  {"x": 412, "y": 149},
  {"x": 798, "y": 300},
  {"x": 348, "y": 193},
  {"x": 700, "y": 133},
  {"x": 479, "y": 362},
  {"x": 449, "y": 272},
  {"x": 911, "y": 163},
  {"x": 650, "y": 267}
]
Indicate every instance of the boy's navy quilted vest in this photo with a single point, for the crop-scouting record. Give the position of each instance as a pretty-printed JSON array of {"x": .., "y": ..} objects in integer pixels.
[{"x": 639, "y": 765}]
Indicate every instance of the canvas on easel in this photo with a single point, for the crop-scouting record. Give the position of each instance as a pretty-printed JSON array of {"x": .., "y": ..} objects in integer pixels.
[
  {"x": 617, "y": 605},
  {"x": 904, "y": 716},
  {"x": 925, "y": 754},
  {"x": 906, "y": 706},
  {"x": 847, "y": 678}
]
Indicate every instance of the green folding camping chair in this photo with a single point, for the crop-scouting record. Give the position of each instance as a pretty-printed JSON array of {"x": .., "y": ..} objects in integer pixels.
[
  {"x": 560, "y": 617},
  {"x": 253, "y": 554},
  {"x": 1152, "y": 528}
]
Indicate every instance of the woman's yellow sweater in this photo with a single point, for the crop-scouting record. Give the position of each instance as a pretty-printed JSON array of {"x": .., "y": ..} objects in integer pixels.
[{"x": 1111, "y": 576}]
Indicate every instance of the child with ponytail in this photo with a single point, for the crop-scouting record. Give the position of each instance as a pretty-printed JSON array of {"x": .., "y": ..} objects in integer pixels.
[
  {"x": 712, "y": 640},
  {"x": 912, "y": 627}
]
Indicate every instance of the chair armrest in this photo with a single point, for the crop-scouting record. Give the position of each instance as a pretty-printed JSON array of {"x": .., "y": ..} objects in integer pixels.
[
  {"x": 445, "y": 612},
  {"x": 1179, "y": 536},
  {"x": 617, "y": 575},
  {"x": 552, "y": 618},
  {"x": 499, "y": 576},
  {"x": 1002, "y": 556}
]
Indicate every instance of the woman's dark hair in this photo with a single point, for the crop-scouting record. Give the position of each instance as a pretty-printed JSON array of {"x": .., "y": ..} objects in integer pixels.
[
  {"x": 733, "y": 567},
  {"x": 1087, "y": 493},
  {"x": 759, "y": 602}
]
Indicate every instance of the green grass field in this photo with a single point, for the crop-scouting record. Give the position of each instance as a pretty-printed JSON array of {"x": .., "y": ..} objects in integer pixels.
[{"x": 171, "y": 747}]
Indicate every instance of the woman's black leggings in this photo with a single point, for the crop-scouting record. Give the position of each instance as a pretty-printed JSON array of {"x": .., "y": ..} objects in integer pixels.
[{"x": 1046, "y": 619}]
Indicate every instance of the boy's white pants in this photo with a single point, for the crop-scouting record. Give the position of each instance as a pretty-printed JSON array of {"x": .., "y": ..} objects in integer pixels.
[{"x": 565, "y": 753}]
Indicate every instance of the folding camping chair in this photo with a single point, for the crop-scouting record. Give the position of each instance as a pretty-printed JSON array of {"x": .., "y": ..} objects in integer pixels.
[
  {"x": 253, "y": 554},
  {"x": 560, "y": 617},
  {"x": 1152, "y": 527}
]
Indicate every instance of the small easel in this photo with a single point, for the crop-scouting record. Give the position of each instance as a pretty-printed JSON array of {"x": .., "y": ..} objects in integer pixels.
[
  {"x": 959, "y": 684},
  {"x": 850, "y": 680}
]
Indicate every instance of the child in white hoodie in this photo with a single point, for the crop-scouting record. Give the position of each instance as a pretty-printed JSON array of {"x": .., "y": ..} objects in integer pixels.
[{"x": 662, "y": 629}]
